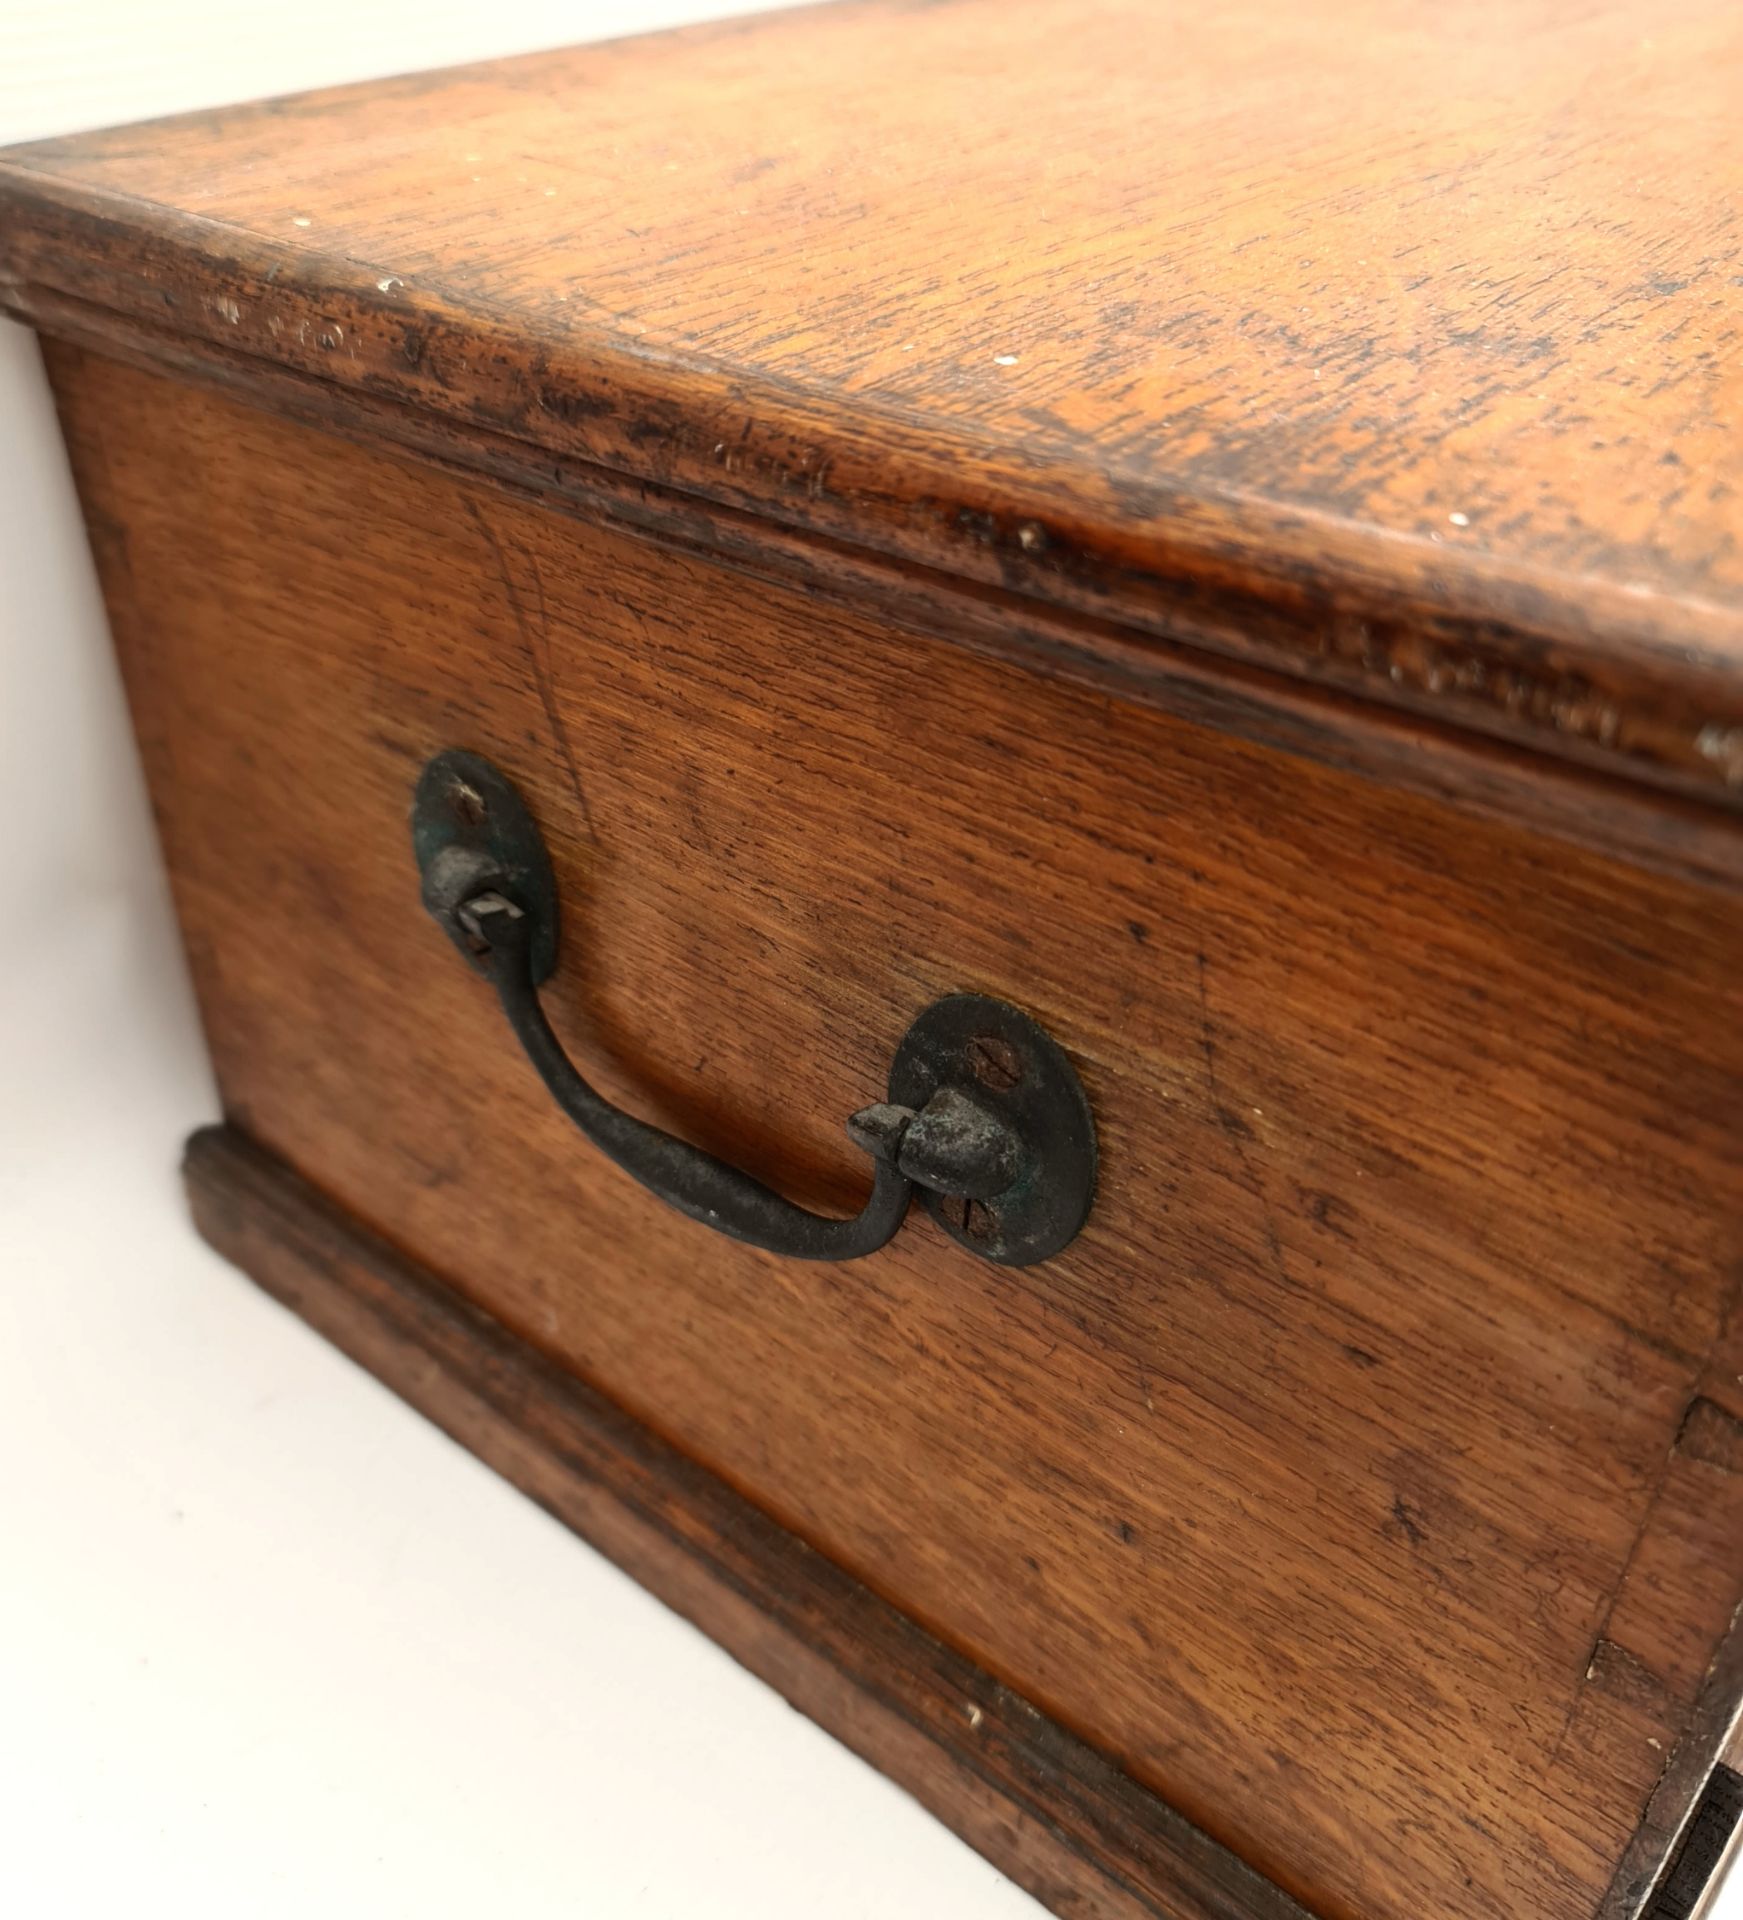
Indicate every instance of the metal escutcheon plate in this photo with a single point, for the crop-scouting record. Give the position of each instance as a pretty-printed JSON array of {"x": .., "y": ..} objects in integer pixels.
[
  {"x": 996, "y": 1053},
  {"x": 471, "y": 832}
]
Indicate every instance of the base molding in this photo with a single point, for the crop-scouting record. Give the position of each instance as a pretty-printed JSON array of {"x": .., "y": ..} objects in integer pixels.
[{"x": 1049, "y": 1811}]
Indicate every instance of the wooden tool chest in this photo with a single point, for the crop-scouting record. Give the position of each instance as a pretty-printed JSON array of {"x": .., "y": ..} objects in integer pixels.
[{"x": 1144, "y": 603}]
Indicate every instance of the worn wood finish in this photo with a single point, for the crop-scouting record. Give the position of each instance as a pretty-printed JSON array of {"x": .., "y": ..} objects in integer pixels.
[
  {"x": 1055, "y": 1815},
  {"x": 1594, "y": 807},
  {"x": 1364, "y": 1482},
  {"x": 1392, "y": 347},
  {"x": 976, "y": 539}
]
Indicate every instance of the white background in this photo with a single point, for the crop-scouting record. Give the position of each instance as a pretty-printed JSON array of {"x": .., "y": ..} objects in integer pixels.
[{"x": 269, "y": 1645}]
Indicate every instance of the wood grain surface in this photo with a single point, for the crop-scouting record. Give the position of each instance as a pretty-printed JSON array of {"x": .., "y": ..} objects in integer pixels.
[
  {"x": 1599, "y": 808},
  {"x": 1057, "y": 1817},
  {"x": 1364, "y": 1482},
  {"x": 1389, "y": 344}
]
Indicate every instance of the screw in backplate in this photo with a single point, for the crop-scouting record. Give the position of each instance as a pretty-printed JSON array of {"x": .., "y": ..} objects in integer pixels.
[
  {"x": 467, "y": 804},
  {"x": 994, "y": 1062},
  {"x": 972, "y": 1217}
]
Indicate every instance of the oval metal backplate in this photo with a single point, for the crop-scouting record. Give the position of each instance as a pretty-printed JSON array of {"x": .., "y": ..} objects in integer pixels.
[
  {"x": 472, "y": 834},
  {"x": 995, "y": 1053}
]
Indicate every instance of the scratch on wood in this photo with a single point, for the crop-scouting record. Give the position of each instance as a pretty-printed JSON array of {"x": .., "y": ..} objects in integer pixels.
[
  {"x": 537, "y": 646},
  {"x": 1235, "y": 1127}
]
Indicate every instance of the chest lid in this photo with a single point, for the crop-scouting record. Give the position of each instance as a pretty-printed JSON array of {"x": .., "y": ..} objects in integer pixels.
[{"x": 1394, "y": 352}]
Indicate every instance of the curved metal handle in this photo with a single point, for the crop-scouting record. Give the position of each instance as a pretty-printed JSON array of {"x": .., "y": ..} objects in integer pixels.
[
  {"x": 985, "y": 1114},
  {"x": 696, "y": 1183}
]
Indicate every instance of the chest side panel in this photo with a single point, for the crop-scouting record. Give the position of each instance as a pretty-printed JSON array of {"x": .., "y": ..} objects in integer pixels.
[{"x": 1361, "y": 1479}]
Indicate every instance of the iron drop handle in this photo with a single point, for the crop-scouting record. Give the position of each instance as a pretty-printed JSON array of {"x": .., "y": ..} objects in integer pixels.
[{"x": 985, "y": 1114}]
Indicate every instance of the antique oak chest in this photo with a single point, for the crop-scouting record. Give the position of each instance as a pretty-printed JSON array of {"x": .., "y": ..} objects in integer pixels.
[{"x": 958, "y": 792}]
